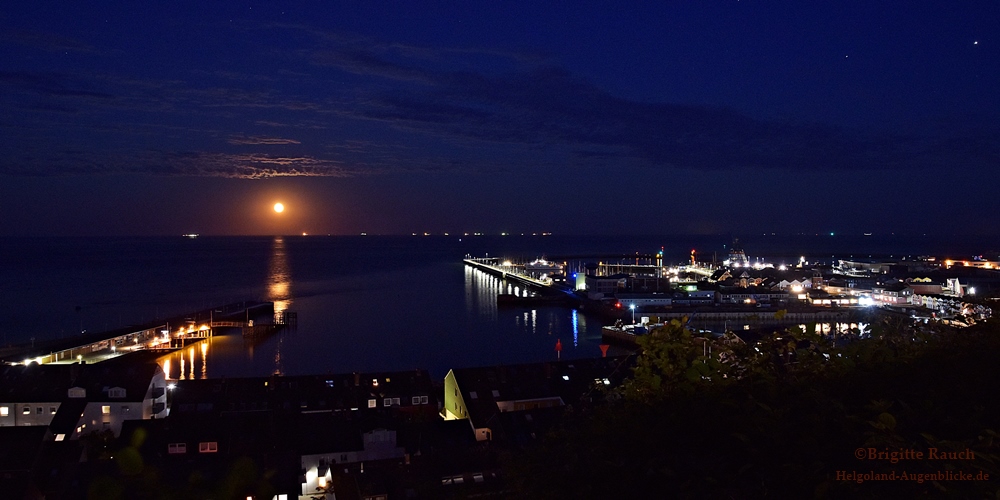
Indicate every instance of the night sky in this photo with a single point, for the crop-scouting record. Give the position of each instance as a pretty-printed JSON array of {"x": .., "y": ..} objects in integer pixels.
[{"x": 707, "y": 117}]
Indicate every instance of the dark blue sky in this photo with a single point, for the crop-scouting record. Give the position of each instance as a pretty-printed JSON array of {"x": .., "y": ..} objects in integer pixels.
[{"x": 685, "y": 117}]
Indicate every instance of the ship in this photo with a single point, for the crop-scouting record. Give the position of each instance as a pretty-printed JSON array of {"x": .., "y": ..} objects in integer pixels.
[
  {"x": 542, "y": 267},
  {"x": 737, "y": 257}
]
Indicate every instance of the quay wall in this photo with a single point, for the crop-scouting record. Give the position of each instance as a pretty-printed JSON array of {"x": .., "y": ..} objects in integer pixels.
[{"x": 759, "y": 316}]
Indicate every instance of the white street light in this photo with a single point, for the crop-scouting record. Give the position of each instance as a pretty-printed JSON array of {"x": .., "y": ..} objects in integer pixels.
[{"x": 632, "y": 307}]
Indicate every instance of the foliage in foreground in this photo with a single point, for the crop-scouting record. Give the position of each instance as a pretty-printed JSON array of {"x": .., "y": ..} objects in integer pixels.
[{"x": 785, "y": 418}]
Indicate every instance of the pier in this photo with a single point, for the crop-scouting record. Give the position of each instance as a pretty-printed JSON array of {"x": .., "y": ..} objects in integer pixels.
[
  {"x": 493, "y": 266},
  {"x": 254, "y": 319},
  {"x": 548, "y": 294}
]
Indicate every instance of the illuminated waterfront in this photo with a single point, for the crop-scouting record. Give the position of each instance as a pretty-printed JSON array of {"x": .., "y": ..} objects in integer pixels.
[{"x": 363, "y": 303}]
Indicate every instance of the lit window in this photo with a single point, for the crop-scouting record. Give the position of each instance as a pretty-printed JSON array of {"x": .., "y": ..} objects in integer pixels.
[
  {"x": 415, "y": 400},
  {"x": 27, "y": 411},
  {"x": 106, "y": 410},
  {"x": 208, "y": 447},
  {"x": 60, "y": 437},
  {"x": 4, "y": 411},
  {"x": 387, "y": 402},
  {"x": 372, "y": 403},
  {"x": 52, "y": 410}
]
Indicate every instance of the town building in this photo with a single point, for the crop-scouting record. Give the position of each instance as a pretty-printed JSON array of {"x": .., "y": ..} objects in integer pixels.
[
  {"x": 598, "y": 287},
  {"x": 75, "y": 399},
  {"x": 893, "y": 294},
  {"x": 482, "y": 395}
]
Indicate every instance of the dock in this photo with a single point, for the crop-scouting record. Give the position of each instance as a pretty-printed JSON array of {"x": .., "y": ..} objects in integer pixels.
[
  {"x": 549, "y": 294},
  {"x": 492, "y": 266},
  {"x": 253, "y": 318}
]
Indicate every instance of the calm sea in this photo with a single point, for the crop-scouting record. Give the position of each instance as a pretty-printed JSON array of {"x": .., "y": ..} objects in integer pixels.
[{"x": 364, "y": 303}]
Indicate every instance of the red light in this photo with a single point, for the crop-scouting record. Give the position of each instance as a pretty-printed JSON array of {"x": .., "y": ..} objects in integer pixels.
[{"x": 618, "y": 304}]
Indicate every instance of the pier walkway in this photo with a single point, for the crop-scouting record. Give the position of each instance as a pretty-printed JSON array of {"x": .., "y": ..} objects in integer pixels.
[
  {"x": 167, "y": 334},
  {"x": 492, "y": 266}
]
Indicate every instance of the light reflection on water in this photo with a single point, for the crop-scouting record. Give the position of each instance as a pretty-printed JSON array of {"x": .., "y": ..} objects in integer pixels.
[
  {"x": 534, "y": 329},
  {"x": 279, "y": 277},
  {"x": 576, "y": 328},
  {"x": 518, "y": 333},
  {"x": 372, "y": 303},
  {"x": 481, "y": 290},
  {"x": 279, "y": 290},
  {"x": 189, "y": 363}
]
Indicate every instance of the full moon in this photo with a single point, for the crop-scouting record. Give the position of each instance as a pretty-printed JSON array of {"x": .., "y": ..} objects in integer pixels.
[{"x": 278, "y": 207}]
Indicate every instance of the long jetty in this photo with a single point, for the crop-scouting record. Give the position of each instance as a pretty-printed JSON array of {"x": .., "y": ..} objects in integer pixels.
[
  {"x": 490, "y": 265},
  {"x": 167, "y": 334}
]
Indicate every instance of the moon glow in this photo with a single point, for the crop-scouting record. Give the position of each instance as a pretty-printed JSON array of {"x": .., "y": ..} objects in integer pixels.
[{"x": 278, "y": 207}]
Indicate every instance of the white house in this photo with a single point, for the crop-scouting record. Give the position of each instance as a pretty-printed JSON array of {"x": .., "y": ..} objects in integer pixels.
[{"x": 75, "y": 399}]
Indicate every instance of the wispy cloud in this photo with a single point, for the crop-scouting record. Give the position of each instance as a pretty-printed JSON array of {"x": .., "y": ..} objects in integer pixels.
[
  {"x": 254, "y": 166},
  {"x": 53, "y": 84},
  {"x": 357, "y": 106},
  {"x": 44, "y": 40},
  {"x": 546, "y": 105},
  {"x": 256, "y": 140}
]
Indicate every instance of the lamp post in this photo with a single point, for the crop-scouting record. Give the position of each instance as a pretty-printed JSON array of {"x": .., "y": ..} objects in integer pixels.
[{"x": 632, "y": 307}]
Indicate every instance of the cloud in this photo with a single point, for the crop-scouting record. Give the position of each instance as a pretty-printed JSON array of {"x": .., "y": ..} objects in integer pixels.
[
  {"x": 364, "y": 62},
  {"x": 52, "y": 84},
  {"x": 357, "y": 106},
  {"x": 177, "y": 164},
  {"x": 254, "y": 140},
  {"x": 44, "y": 40},
  {"x": 255, "y": 166},
  {"x": 548, "y": 106},
  {"x": 41, "y": 106}
]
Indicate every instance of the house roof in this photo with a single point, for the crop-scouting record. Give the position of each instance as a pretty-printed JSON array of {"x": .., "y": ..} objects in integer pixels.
[
  {"x": 636, "y": 296},
  {"x": 34, "y": 383},
  {"x": 750, "y": 289},
  {"x": 893, "y": 287},
  {"x": 301, "y": 393},
  {"x": 68, "y": 415},
  {"x": 21, "y": 446},
  {"x": 51, "y": 382},
  {"x": 572, "y": 381}
]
